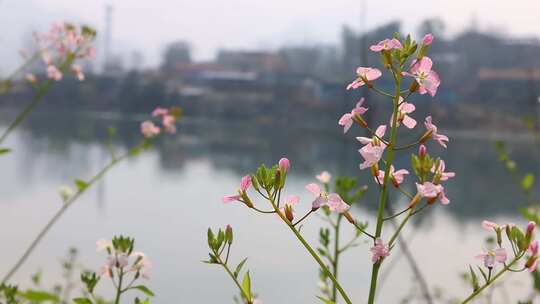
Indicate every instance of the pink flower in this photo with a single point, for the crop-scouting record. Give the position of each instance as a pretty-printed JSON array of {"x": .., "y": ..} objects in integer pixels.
[
  {"x": 364, "y": 74},
  {"x": 432, "y": 191},
  {"x": 532, "y": 262},
  {"x": 141, "y": 265},
  {"x": 104, "y": 244},
  {"x": 230, "y": 198},
  {"x": 245, "y": 183},
  {"x": 324, "y": 177},
  {"x": 427, "y": 79},
  {"x": 159, "y": 111},
  {"x": 322, "y": 198},
  {"x": 492, "y": 226},
  {"x": 291, "y": 200},
  {"x": 373, "y": 149},
  {"x": 149, "y": 129},
  {"x": 375, "y": 141},
  {"x": 428, "y": 39},
  {"x": 284, "y": 164},
  {"x": 379, "y": 251},
  {"x": 404, "y": 109},
  {"x": 441, "y": 139},
  {"x": 371, "y": 154},
  {"x": 31, "y": 78},
  {"x": 54, "y": 73},
  {"x": 491, "y": 256},
  {"x": 169, "y": 122},
  {"x": 77, "y": 70},
  {"x": 444, "y": 175},
  {"x": 396, "y": 177},
  {"x": 386, "y": 45},
  {"x": 348, "y": 119}
]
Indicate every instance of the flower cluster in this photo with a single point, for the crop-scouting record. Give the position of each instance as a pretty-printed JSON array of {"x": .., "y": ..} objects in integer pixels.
[
  {"x": 61, "y": 46},
  {"x": 168, "y": 119},
  {"x": 522, "y": 243},
  {"x": 273, "y": 180},
  {"x": 122, "y": 259}
]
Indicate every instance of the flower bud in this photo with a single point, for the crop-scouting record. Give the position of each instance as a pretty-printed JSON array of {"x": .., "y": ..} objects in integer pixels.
[
  {"x": 531, "y": 261},
  {"x": 255, "y": 183},
  {"x": 530, "y": 227},
  {"x": 360, "y": 121},
  {"x": 427, "y": 40},
  {"x": 422, "y": 151},
  {"x": 414, "y": 87},
  {"x": 415, "y": 200},
  {"x": 349, "y": 217},
  {"x": 284, "y": 164},
  {"x": 394, "y": 181},
  {"x": 375, "y": 170},
  {"x": 289, "y": 213},
  {"x": 229, "y": 234},
  {"x": 246, "y": 199},
  {"x": 426, "y": 136}
]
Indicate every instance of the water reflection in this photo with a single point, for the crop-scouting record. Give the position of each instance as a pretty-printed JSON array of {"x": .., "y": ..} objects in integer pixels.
[{"x": 482, "y": 188}]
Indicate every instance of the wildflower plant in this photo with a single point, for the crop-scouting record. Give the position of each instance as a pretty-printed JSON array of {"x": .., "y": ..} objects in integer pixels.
[
  {"x": 413, "y": 72},
  {"x": 125, "y": 268}
]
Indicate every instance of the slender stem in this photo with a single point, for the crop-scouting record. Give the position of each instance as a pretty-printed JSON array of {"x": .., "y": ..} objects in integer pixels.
[
  {"x": 383, "y": 93},
  {"x": 335, "y": 264},
  {"x": 61, "y": 211},
  {"x": 384, "y": 192},
  {"x": 228, "y": 253},
  {"x": 396, "y": 215},
  {"x": 119, "y": 287},
  {"x": 364, "y": 231},
  {"x": 313, "y": 254},
  {"x": 303, "y": 218},
  {"x": 495, "y": 277},
  {"x": 246, "y": 296},
  {"x": 263, "y": 211},
  {"x": 400, "y": 227},
  {"x": 407, "y": 146}
]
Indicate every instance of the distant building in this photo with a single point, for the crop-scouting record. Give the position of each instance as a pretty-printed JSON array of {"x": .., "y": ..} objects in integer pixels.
[{"x": 255, "y": 61}]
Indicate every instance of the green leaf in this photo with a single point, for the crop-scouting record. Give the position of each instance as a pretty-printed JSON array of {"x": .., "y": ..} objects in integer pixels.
[
  {"x": 246, "y": 285},
  {"x": 81, "y": 185},
  {"x": 239, "y": 268},
  {"x": 144, "y": 289},
  {"x": 474, "y": 279},
  {"x": 527, "y": 181},
  {"x": 39, "y": 296},
  {"x": 82, "y": 301},
  {"x": 325, "y": 301},
  {"x": 4, "y": 151}
]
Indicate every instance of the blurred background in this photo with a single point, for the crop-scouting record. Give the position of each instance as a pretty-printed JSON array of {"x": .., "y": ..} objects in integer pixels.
[{"x": 259, "y": 80}]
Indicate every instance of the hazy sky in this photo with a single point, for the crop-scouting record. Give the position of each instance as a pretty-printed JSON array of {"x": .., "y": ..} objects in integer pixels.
[{"x": 211, "y": 24}]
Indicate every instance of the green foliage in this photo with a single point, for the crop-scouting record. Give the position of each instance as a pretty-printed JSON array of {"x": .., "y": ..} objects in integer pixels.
[
  {"x": 246, "y": 285},
  {"x": 325, "y": 301},
  {"x": 90, "y": 280},
  {"x": 527, "y": 182},
  {"x": 81, "y": 185},
  {"x": 144, "y": 289},
  {"x": 123, "y": 244},
  {"x": 474, "y": 279}
]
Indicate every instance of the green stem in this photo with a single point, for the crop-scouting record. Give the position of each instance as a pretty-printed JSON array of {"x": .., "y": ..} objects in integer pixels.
[
  {"x": 384, "y": 193},
  {"x": 400, "y": 227},
  {"x": 313, "y": 254},
  {"x": 119, "y": 287},
  {"x": 44, "y": 88},
  {"x": 495, "y": 277},
  {"x": 61, "y": 211},
  {"x": 335, "y": 264},
  {"x": 248, "y": 299}
]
